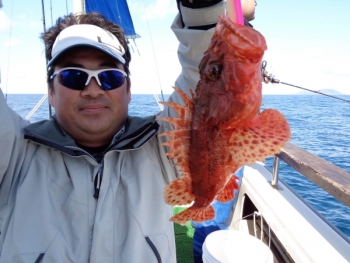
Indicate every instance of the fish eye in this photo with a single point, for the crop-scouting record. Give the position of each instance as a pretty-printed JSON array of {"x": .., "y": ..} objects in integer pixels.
[{"x": 214, "y": 72}]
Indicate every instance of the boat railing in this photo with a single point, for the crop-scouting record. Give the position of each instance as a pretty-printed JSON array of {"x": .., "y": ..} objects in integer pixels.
[
  {"x": 275, "y": 172},
  {"x": 37, "y": 106},
  {"x": 326, "y": 175}
]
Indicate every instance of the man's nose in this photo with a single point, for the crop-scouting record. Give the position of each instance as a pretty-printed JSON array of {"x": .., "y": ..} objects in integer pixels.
[{"x": 92, "y": 89}]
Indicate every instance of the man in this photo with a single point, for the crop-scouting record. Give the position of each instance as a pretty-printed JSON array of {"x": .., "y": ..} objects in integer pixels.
[{"x": 87, "y": 185}]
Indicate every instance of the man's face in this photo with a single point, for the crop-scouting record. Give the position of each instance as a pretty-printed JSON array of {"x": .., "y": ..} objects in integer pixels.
[
  {"x": 91, "y": 116},
  {"x": 248, "y": 8}
]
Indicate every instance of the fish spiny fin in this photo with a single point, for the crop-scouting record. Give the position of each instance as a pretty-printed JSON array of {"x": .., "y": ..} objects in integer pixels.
[
  {"x": 187, "y": 99},
  {"x": 178, "y": 153},
  {"x": 183, "y": 111},
  {"x": 194, "y": 213},
  {"x": 178, "y": 143},
  {"x": 264, "y": 136},
  {"x": 228, "y": 193},
  {"x": 184, "y": 133},
  {"x": 182, "y": 163},
  {"x": 178, "y": 123},
  {"x": 179, "y": 192},
  {"x": 180, "y": 137}
]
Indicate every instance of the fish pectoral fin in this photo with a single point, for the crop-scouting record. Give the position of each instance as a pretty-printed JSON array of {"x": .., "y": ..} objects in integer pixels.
[
  {"x": 264, "y": 136},
  {"x": 179, "y": 192},
  {"x": 194, "y": 213},
  {"x": 228, "y": 193}
]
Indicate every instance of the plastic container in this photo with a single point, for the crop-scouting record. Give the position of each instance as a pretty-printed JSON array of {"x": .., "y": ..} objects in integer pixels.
[{"x": 228, "y": 246}]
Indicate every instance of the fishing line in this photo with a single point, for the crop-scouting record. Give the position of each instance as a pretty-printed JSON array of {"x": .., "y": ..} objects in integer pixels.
[
  {"x": 269, "y": 78},
  {"x": 67, "y": 7},
  {"x": 51, "y": 12},
  {"x": 315, "y": 91},
  {"x": 154, "y": 55}
]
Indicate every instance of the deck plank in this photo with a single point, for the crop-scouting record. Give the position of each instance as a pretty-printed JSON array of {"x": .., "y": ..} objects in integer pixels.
[{"x": 331, "y": 178}]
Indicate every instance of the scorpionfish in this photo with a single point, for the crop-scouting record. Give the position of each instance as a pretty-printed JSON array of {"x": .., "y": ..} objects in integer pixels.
[{"x": 220, "y": 128}]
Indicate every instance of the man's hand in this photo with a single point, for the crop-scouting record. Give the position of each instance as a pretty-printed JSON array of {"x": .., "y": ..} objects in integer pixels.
[{"x": 196, "y": 4}]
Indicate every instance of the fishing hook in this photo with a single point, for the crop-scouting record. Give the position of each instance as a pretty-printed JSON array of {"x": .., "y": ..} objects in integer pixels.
[{"x": 269, "y": 78}]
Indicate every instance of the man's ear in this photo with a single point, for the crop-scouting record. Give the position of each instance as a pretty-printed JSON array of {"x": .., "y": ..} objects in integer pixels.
[
  {"x": 128, "y": 87},
  {"x": 51, "y": 94}
]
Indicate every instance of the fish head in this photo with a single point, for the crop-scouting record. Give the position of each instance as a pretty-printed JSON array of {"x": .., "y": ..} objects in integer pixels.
[{"x": 230, "y": 77}]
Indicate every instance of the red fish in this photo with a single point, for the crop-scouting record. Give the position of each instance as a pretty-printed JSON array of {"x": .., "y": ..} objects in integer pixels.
[{"x": 219, "y": 128}]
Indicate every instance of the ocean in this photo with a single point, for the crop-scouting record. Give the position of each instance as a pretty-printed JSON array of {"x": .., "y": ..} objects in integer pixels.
[{"x": 319, "y": 124}]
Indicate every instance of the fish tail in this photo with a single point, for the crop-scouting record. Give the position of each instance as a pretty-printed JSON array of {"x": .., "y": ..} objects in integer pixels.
[{"x": 194, "y": 213}]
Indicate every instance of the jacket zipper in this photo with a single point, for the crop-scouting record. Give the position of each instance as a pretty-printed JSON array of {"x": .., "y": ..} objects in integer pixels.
[
  {"x": 98, "y": 179},
  {"x": 98, "y": 176},
  {"x": 80, "y": 149}
]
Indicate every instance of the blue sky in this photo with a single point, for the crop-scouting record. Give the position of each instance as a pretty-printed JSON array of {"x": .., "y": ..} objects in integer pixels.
[{"x": 308, "y": 44}]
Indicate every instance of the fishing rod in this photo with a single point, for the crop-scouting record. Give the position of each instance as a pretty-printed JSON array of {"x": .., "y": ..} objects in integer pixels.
[{"x": 269, "y": 78}]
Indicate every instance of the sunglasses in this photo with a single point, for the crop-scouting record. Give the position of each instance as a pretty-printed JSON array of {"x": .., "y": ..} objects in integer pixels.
[{"x": 79, "y": 78}]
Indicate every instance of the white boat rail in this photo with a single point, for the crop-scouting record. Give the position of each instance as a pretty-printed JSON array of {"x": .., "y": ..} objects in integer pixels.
[{"x": 30, "y": 114}]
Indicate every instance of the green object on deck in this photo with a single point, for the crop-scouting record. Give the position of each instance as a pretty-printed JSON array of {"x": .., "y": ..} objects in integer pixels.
[{"x": 183, "y": 240}]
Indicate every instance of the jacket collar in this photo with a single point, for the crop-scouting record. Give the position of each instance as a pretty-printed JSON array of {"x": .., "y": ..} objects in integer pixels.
[{"x": 48, "y": 132}]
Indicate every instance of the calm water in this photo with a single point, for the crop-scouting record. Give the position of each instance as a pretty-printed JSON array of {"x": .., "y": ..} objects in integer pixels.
[{"x": 320, "y": 125}]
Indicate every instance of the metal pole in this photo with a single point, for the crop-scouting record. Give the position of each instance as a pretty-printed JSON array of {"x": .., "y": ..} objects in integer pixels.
[
  {"x": 275, "y": 170},
  {"x": 44, "y": 25}
]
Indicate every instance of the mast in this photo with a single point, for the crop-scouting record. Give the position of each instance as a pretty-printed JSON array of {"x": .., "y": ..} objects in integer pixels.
[
  {"x": 78, "y": 6},
  {"x": 44, "y": 26}
]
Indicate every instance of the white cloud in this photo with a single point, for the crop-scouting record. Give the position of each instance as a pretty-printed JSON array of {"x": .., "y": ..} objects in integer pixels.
[
  {"x": 26, "y": 76},
  {"x": 13, "y": 42},
  {"x": 33, "y": 24},
  {"x": 156, "y": 10},
  {"x": 23, "y": 16},
  {"x": 5, "y": 22}
]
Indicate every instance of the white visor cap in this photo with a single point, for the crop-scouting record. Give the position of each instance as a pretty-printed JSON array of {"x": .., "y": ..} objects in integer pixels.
[{"x": 84, "y": 35}]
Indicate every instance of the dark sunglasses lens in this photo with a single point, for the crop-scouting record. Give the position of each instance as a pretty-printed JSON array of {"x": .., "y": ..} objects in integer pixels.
[
  {"x": 73, "y": 78},
  {"x": 111, "y": 79}
]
